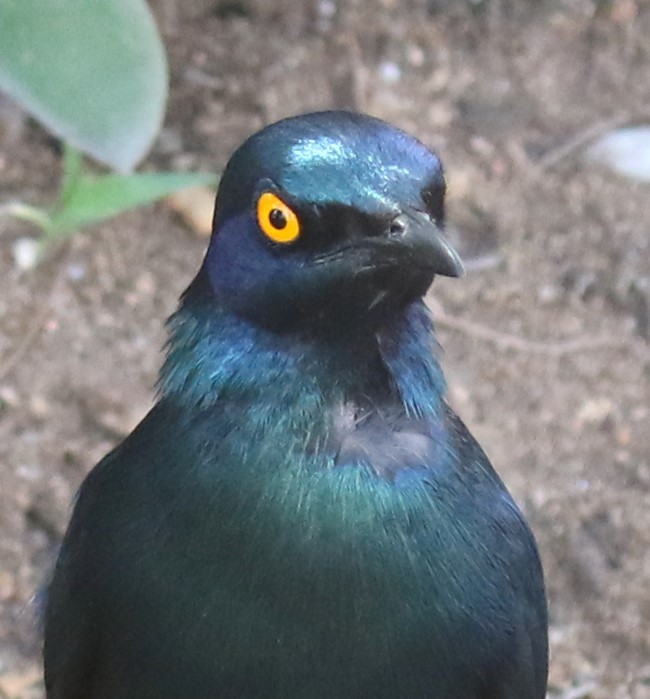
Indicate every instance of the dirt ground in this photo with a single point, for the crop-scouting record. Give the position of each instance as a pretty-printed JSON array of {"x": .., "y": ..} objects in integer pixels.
[{"x": 545, "y": 342}]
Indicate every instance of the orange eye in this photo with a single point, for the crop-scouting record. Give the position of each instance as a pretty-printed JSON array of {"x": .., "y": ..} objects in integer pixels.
[{"x": 277, "y": 220}]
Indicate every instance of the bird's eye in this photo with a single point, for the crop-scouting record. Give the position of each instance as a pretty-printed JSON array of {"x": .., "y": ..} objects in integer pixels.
[{"x": 278, "y": 221}]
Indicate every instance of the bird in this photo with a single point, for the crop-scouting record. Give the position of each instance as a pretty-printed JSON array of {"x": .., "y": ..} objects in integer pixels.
[{"x": 302, "y": 514}]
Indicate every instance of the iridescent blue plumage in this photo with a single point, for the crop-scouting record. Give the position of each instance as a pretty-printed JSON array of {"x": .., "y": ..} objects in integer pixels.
[
  {"x": 302, "y": 515},
  {"x": 338, "y": 158}
]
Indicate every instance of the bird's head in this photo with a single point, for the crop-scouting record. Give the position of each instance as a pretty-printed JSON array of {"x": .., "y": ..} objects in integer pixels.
[{"x": 331, "y": 218}]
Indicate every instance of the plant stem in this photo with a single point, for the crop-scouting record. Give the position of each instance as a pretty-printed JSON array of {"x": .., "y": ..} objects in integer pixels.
[
  {"x": 25, "y": 212},
  {"x": 71, "y": 171}
]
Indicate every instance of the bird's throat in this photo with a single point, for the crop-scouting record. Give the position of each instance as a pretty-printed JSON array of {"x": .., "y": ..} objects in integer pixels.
[{"x": 213, "y": 354}]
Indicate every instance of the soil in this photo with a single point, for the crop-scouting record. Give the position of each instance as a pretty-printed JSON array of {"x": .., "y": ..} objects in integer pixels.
[{"x": 545, "y": 342}]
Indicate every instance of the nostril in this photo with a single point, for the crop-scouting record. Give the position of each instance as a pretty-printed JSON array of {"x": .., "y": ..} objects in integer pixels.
[{"x": 397, "y": 226}]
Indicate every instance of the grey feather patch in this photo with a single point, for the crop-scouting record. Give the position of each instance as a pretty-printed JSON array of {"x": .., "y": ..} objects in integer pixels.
[{"x": 384, "y": 441}]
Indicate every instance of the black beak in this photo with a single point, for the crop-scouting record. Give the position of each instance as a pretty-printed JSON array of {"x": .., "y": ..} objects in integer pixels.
[{"x": 426, "y": 243}]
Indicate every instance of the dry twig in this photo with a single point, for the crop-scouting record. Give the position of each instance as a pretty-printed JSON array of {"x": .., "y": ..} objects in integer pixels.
[
  {"x": 35, "y": 327},
  {"x": 580, "y": 139},
  {"x": 519, "y": 344}
]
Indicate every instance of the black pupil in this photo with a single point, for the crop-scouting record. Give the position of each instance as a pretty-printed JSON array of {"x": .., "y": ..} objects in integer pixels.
[{"x": 278, "y": 219}]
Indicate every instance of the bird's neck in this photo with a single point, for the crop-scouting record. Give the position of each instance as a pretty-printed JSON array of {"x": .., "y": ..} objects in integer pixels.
[{"x": 214, "y": 354}]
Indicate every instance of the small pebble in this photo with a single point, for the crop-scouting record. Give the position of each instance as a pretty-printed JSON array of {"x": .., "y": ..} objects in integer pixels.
[
  {"x": 326, "y": 9},
  {"x": 548, "y": 294},
  {"x": 9, "y": 396},
  {"x": 76, "y": 272},
  {"x": 25, "y": 252},
  {"x": 390, "y": 72},
  {"x": 415, "y": 55},
  {"x": 583, "y": 485},
  {"x": 39, "y": 407},
  {"x": 145, "y": 284},
  {"x": 596, "y": 411}
]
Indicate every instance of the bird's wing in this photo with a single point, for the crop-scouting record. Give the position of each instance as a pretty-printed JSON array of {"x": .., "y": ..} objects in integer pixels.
[
  {"x": 71, "y": 624},
  {"x": 511, "y": 545},
  {"x": 76, "y": 606}
]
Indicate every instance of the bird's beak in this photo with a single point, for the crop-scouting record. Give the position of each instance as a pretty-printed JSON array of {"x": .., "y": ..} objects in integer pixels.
[{"x": 427, "y": 245}]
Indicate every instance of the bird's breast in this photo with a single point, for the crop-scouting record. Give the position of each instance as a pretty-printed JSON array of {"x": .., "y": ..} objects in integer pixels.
[
  {"x": 328, "y": 570},
  {"x": 392, "y": 445}
]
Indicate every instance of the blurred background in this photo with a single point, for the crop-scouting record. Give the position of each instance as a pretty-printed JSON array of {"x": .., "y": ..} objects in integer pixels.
[{"x": 545, "y": 342}]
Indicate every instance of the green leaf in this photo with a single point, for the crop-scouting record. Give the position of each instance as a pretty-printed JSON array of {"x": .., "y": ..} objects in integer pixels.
[
  {"x": 94, "y": 199},
  {"x": 92, "y": 71},
  {"x": 72, "y": 169}
]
